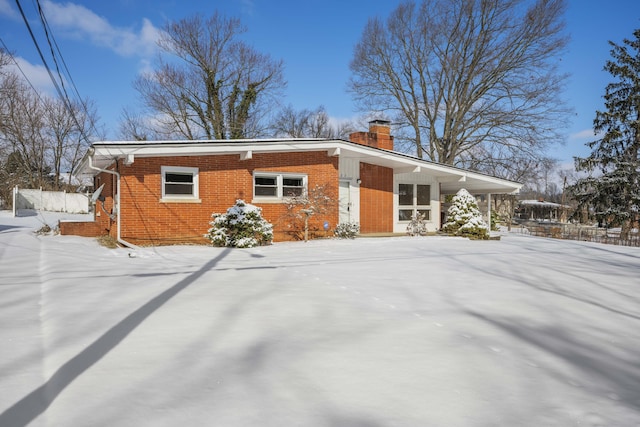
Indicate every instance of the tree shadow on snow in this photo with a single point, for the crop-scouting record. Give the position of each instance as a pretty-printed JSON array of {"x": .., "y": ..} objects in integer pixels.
[
  {"x": 26, "y": 212},
  {"x": 4, "y": 227},
  {"x": 35, "y": 403},
  {"x": 605, "y": 369}
]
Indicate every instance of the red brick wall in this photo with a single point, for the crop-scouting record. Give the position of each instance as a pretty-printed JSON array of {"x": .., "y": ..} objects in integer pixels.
[
  {"x": 222, "y": 180},
  {"x": 376, "y": 199},
  {"x": 104, "y": 209},
  {"x": 102, "y": 224},
  {"x": 78, "y": 228}
]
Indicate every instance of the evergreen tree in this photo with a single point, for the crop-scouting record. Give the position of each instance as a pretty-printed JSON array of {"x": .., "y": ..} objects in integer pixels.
[
  {"x": 611, "y": 191},
  {"x": 464, "y": 218}
]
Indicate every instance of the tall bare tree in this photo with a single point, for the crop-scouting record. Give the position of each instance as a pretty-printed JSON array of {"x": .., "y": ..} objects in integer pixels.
[
  {"x": 136, "y": 127},
  {"x": 40, "y": 136},
  {"x": 23, "y": 134},
  {"x": 209, "y": 84},
  {"x": 305, "y": 123},
  {"x": 67, "y": 127},
  {"x": 462, "y": 77}
]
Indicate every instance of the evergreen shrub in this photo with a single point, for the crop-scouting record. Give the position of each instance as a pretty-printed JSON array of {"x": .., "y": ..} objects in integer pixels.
[
  {"x": 347, "y": 230},
  {"x": 465, "y": 219},
  {"x": 241, "y": 227}
]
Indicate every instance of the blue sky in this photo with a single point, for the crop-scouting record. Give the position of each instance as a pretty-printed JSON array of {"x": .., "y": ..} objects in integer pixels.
[{"x": 107, "y": 44}]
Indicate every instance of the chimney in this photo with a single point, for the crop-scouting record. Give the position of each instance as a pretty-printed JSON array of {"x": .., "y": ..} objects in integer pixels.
[{"x": 379, "y": 135}]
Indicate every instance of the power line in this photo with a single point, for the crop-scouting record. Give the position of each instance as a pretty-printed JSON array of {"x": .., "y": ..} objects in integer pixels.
[
  {"x": 35, "y": 42},
  {"x": 61, "y": 93},
  {"x": 20, "y": 69},
  {"x": 50, "y": 37}
]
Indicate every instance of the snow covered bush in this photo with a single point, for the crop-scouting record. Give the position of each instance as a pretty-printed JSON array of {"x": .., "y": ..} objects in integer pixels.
[
  {"x": 241, "y": 227},
  {"x": 464, "y": 218},
  {"x": 495, "y": 219},
  {"x": 346, "y": 230}
]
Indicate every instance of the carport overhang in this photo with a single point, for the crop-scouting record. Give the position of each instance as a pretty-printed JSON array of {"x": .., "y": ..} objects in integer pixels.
[{"x": 450, "y": 178}]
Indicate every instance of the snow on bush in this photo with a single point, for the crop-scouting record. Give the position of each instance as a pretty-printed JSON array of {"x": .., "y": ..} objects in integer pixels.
[
  {"x": 346, "y": 230},
  {"x": 464, "y": 218},
  {"x": 241, "y": 227}
]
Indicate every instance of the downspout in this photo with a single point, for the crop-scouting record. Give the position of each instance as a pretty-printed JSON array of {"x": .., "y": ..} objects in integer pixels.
[{"x": 116, "y": 203}]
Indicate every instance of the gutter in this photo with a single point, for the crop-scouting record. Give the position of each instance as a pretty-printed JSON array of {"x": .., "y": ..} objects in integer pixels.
[{"x": 116, "y": 202}]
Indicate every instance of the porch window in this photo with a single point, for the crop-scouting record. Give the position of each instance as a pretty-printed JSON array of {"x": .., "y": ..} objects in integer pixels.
[
  {"x": 277, "y": 186},
  {"x": 412, "y": 199},
  {"x": 179, "y": 182}
]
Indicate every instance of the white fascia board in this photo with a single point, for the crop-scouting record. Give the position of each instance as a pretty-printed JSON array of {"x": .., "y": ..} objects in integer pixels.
[
  {"x": 164, "y": 149},
  {"x": 107, "y": 152},
  {"x": 398, "y": 162}
]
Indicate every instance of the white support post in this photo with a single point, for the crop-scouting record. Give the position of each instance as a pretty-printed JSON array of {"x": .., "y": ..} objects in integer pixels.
[
  {"x": 15, "y": 201},
  {"x": 489, "y": 209}
]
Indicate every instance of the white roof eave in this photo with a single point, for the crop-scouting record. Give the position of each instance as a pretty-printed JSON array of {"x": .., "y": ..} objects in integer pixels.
[{"x": 451, "y": 178}]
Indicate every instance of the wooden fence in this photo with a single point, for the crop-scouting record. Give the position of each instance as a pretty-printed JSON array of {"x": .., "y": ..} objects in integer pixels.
[{"x": 583, "y": 233}]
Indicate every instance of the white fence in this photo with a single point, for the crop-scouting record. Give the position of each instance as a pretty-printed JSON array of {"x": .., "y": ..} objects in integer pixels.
[{"x": 53, "y": 201}]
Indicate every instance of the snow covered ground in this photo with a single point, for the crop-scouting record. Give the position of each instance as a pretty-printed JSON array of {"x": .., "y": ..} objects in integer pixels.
[{"x": 405, "y": 331}]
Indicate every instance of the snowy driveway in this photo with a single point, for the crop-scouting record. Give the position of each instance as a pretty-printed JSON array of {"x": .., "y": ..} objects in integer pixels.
[{"x": 372, "y": 332}]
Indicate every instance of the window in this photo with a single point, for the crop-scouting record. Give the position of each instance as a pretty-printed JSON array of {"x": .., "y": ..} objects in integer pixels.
[
  {"x": 266, "y": 186},
  {"x": 179, "y": 183},
  {"x": 278, "y": 185},
  {"x": 405, "y": 195},
  {"x": 414, "y": 198},
  {"x": 292, "y": 186}
]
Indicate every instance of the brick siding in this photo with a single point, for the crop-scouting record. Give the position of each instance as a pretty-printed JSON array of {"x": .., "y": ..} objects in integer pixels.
[
  {"x": 376, "y": 199},
  {"x": 222, "y": 180}
]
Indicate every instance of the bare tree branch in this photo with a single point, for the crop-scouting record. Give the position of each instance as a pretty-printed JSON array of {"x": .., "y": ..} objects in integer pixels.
[
  {"x": 308, "y": 124},
  {"x": 217, "y": 84},
  {"x": 462, "y": 76}
]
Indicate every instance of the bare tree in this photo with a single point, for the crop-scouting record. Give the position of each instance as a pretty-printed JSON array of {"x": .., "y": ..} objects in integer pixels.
[
  {"x": 67, "y": 129},
  {"x": 462, "y": 77},
  {"x": 291, "y": 123},
  {"x": 134, "y": 126},
  {"x": 40, "y": 137},
  {"x": 309, "y": 124},
  {"x": 217, "y": 84},
  {"x": 23, "y": 133},
  {"x": 7, "y": 83},
  {"x": 307, "y": 212}
]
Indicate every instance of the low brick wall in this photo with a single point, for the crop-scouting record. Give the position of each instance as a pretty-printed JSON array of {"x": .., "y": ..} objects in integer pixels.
[{"x": 81, "y": 228}]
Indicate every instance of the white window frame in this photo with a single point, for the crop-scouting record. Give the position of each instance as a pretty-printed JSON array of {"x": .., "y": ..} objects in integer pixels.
[
  {"x": 414, "y": 207},
  {"x": 279, "y": 176},
  {"x": 193, "y": 197}
]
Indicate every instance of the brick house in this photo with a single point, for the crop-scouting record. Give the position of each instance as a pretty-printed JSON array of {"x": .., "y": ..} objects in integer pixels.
[{"x": 164, "y": 192}]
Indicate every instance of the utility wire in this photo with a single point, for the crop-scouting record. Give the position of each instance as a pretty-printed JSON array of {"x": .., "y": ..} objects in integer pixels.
[
  {"x": 35, "y": 42},
  {"x": 20, "y": 68},
  {"x": 51, "y": 41},
  {"x": 50, "y": 38},
  {"x": 62, "y": 94}
]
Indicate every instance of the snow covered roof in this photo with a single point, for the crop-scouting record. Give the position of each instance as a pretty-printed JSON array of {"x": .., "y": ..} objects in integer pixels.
[
  {"x": 451, "y": 178},
  {"x": 542, "y": 204}
]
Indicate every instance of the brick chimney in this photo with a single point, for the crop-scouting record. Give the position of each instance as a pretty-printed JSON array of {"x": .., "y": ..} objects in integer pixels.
[{"x": 379, "y": 135}]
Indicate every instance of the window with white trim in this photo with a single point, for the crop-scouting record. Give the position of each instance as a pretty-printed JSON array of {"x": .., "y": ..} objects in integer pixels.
[
  {"x": 276, "y": 186},
  {"x": 179, "y": 182},
  {"x": 413, "y": 198}
]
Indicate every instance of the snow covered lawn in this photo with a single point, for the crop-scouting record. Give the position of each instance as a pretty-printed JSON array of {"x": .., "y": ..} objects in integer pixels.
[{"x": 421, "y": 331}]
